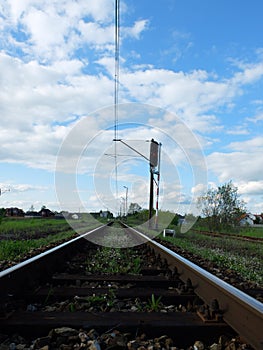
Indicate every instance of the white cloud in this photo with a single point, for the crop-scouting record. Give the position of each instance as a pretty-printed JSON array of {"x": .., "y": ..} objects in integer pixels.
[
  {"x": 31, "y": 93},
  {"x": 243, "y": 165},
  {"x": 191, "y": 95},
  {"x": 257, "y": 118},
  {"x": 136, "y": 30},
  {"x": 251, "y": 187},
  {"x": 94, "y": 34},
  {"x": 251, "y": 146},
  {"x": 236, "y": 165},
  {"x": 249, "y": 73},
  {"x": 53, "y": 30},
  {"x": 25, "y": 188},
  {"x": 238, "y": 130}
]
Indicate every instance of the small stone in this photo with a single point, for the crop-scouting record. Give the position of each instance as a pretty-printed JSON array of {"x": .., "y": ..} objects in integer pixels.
[
  {"x": 41, "y": 342},
  {"x": 132, "y": 345},
  {"x": 92, "y": 334},
  {"x": 168, "y": 343},
  {"x": 65, "y": 331},
  {"x": 65, "y": 347},
  {"x": 46, "y": 347},
  {"x": 215, "y": 347},
  {"x": 198, "y": 345},
  {"x": 83, "y": 337},
  {"x": 50, "y": 308},
  {"x": 231, "y": 346},
  {"x": 20, "y": 346},
  {"x": 134, "y": 308},
  {"x": 31, "y": 308},
  {"x": 94, "y": 345}
]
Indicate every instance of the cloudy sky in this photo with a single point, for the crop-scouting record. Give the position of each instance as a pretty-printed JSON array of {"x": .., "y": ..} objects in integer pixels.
[{"x": 191, "y": 77}]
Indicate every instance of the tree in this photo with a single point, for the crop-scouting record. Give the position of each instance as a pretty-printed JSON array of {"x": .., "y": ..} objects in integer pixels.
[
  {"x": 221, "y": 206},
  {"x": 134, "y": 208},
  {"x": 2, "y": 214},
  {"x": 31, "y": 208}
]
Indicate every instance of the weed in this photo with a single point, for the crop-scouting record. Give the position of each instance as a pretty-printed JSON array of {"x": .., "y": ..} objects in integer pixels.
[
  {"x": 115, "y": 261},
  {"x": 72, "y": 307},
  {"x": 49, "y": 294},
  {"x": 136, "y": 268},
  {"x": 153, "y": 303}
]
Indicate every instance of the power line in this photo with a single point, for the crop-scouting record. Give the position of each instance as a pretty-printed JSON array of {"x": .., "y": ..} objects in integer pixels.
[{"x": 116, "y": 87}]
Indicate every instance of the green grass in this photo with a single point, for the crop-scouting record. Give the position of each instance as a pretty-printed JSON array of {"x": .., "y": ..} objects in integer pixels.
[
  {"x": 14, "y": 250},
  {"x": 115, "y": 261},
  {"x": 243, "y": 258},
  {"x": 250, "y": 231},
  {"x": 30, "y": 228},
  {"x": 18, "y": 237}
]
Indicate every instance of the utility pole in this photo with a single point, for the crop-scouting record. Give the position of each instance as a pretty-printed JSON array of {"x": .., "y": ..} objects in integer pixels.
[
  {"x": 154, "y": 161},
  {"x": 122, "y": 207},
  {"x": 126, "y": 201},
  {"x": 151, "y": 198}
]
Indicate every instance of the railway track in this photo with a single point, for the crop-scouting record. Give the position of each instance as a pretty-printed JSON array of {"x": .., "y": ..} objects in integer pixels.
[{"x": 145, "y": 288}]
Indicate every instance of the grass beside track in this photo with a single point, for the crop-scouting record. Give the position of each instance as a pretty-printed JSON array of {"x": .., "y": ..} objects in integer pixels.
[
  {"x": 247, "y": 231},
  {"x": 12, "y": 228},
  {"x": 243, "y": 258},
  {"x": 19, "y": 237},
  {"x": 14, "y": 250}
]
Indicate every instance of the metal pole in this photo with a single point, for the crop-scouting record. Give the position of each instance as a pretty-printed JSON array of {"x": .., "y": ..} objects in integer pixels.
[
  {"x": 151, "y": 197},
  {"x": 158, "y": 187},
  {"x": 126, "y": 201}
]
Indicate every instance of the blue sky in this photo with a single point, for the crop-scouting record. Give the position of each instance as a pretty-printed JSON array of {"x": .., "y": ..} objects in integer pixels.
[{"x": 191, "y": 77}]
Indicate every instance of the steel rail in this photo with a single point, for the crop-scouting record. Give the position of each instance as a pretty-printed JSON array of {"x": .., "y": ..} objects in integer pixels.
[
  {"x": 243, "y": 313},
  {"x": 15, "y": 279},
  {"x": 47, "y": 252}
]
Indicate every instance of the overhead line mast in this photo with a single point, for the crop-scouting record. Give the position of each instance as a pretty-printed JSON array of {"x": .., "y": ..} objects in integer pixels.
[{"x": 155, "y": 151}]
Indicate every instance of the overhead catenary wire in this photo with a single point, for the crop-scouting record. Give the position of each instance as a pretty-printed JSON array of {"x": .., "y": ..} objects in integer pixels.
[{"x": 116, "y": 88}]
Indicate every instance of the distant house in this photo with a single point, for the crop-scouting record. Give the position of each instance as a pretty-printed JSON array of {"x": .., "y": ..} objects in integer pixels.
[
  {"x": 32, "y": 214},
  {"x": 102, "y": 214},
  {"x": 13, "y": 211},
  {"x": 46, "y": 213},
  {"x": 247, "y": 219},
  {"x": 259, "y": 219},
  {"x": 59, "y": 216},
  {"x": 75, "y": 216}
]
